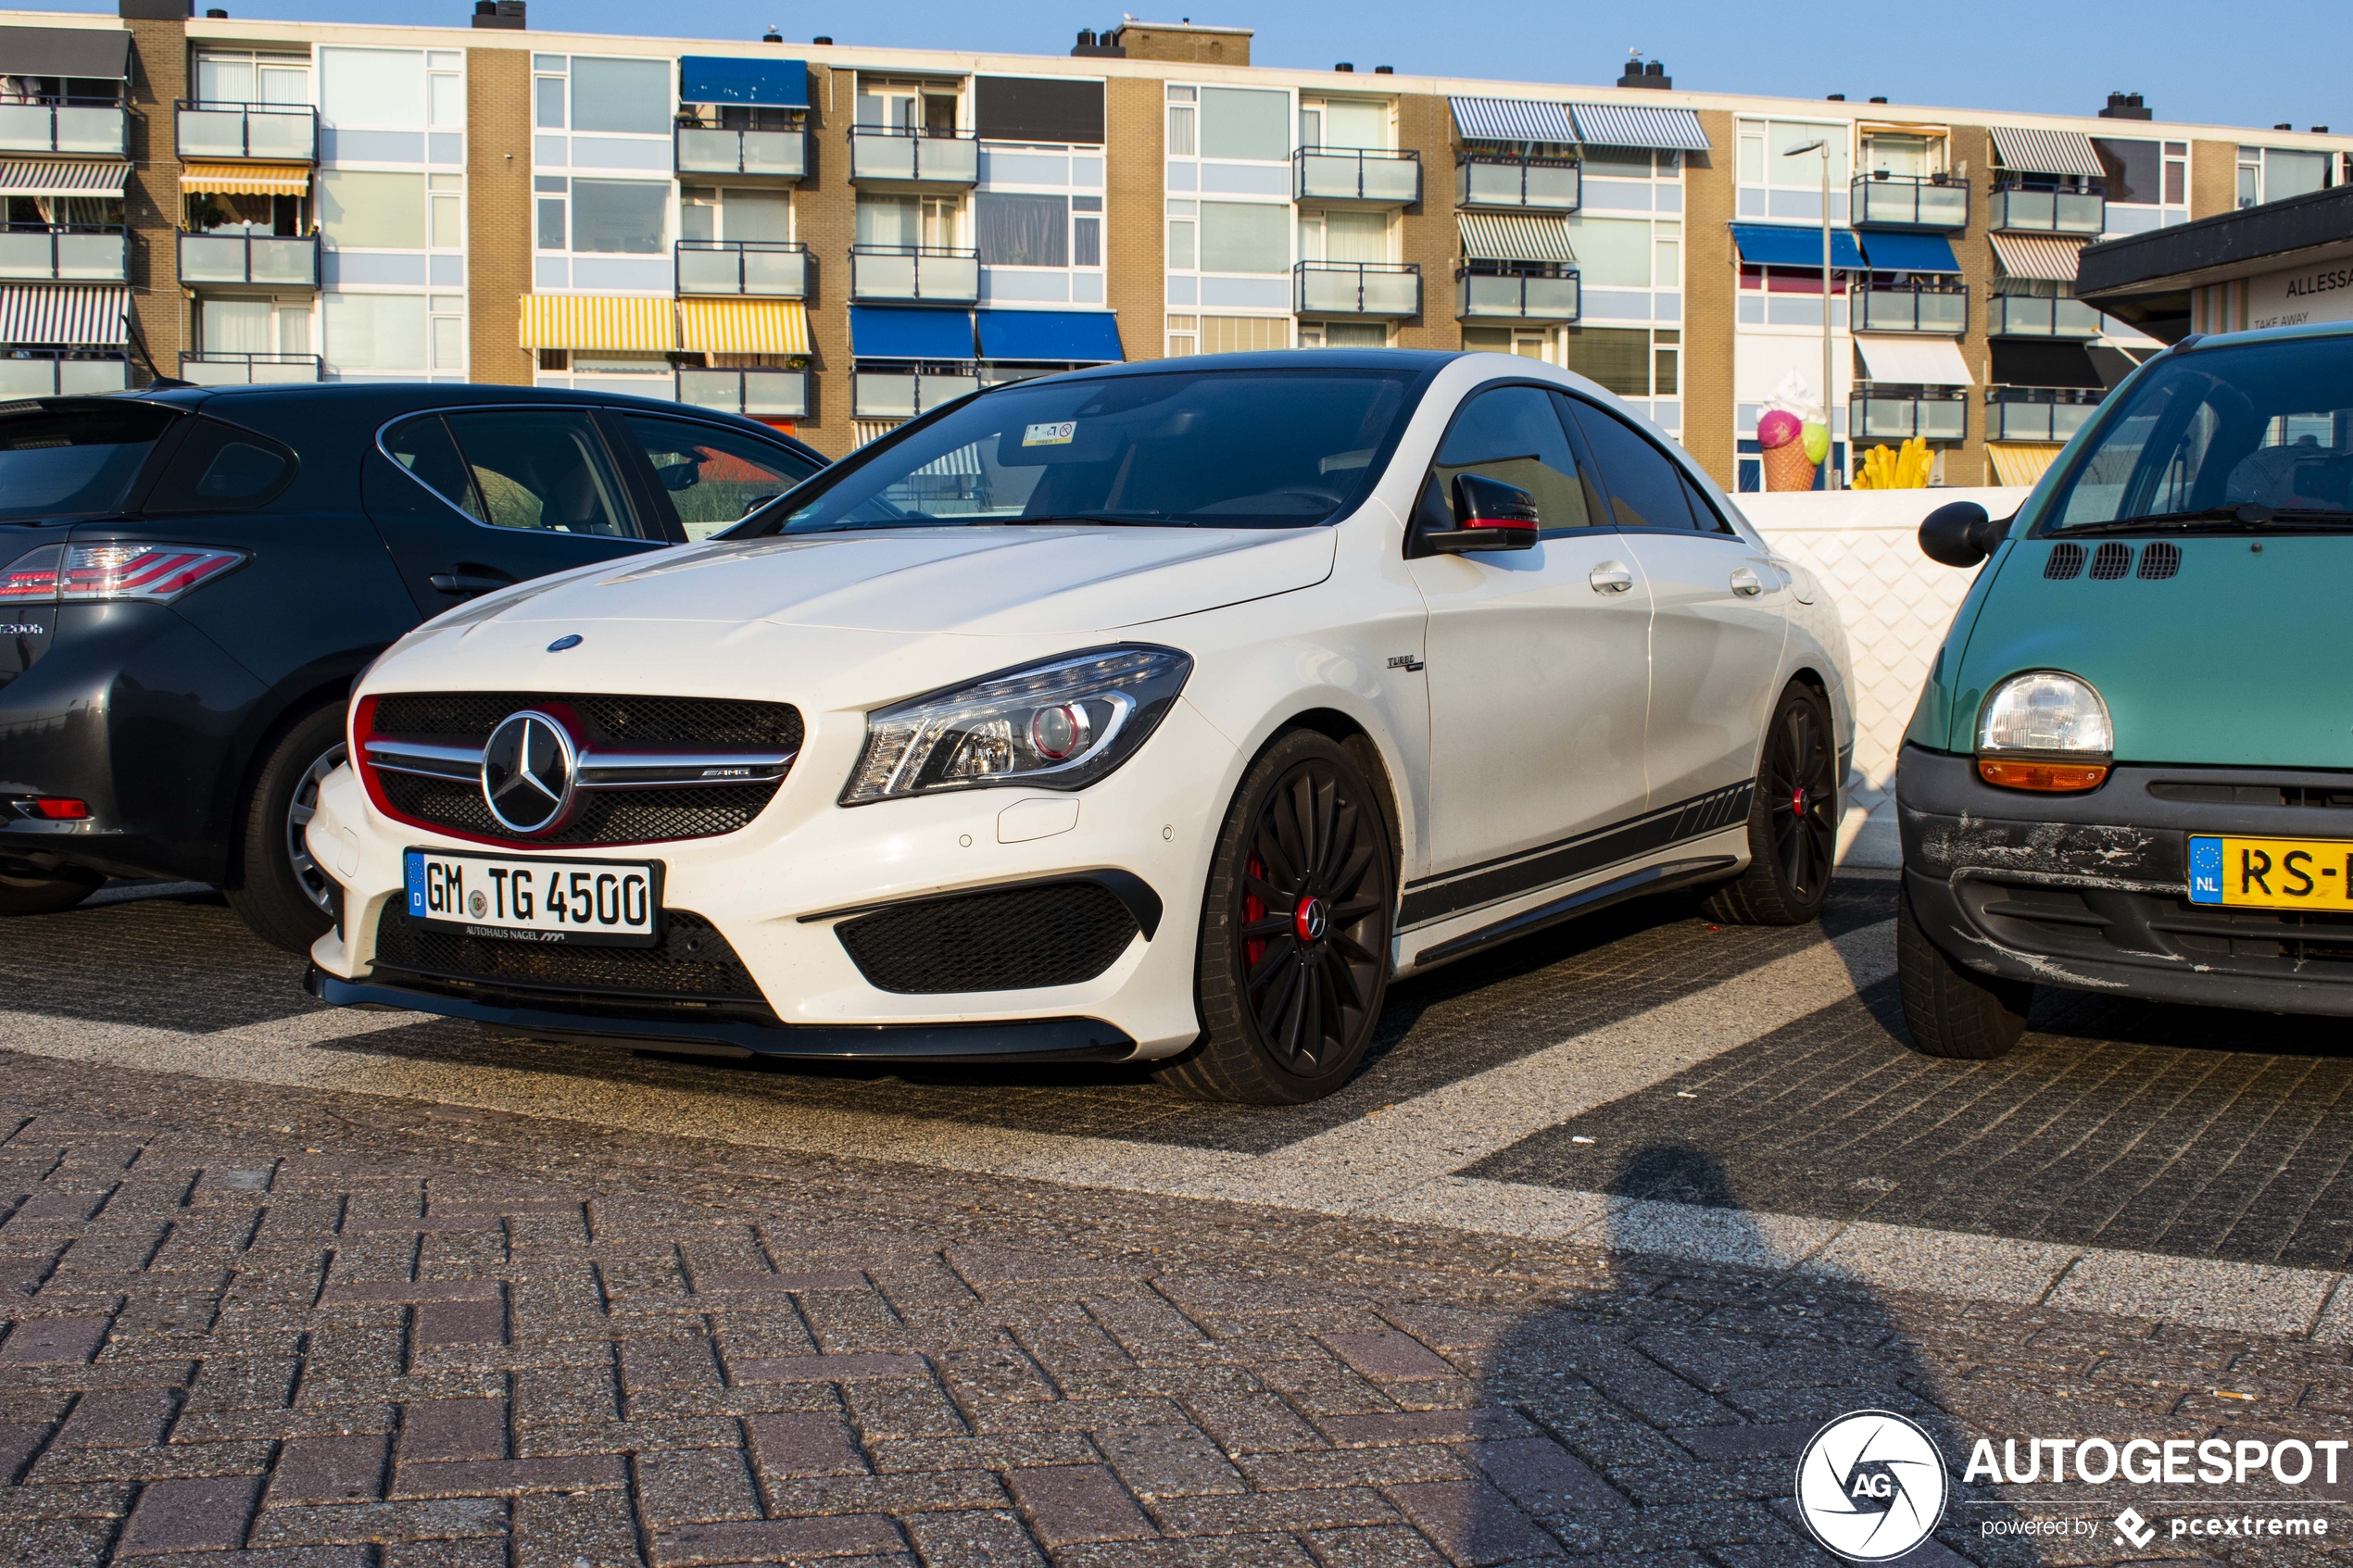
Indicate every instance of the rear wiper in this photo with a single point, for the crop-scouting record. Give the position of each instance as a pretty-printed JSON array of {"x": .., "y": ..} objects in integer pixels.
[{"x": 2247, "y": 514}]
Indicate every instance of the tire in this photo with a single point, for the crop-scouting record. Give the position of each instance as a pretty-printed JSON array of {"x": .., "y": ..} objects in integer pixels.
[
  {"x": 287, "y": 898},
  {"x": 1952, "y": 1012},
  {"x": 1793, "y": 819},
  {"x": 27, "y": 896},
  {"x": 1293, "y": 960}
]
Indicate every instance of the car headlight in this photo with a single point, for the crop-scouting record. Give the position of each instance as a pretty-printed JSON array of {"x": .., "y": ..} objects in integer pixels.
[
  {"x": 1058, "y": 724},
  {"x": 2044, "y": 731}
]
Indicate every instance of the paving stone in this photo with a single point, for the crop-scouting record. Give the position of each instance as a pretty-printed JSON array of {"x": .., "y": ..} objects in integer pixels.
[
  {"x": 770, "y": 1540},
  {"x": 973, "y": 1539},
  {"x": 452, "y": 1429},
  {"x": 804, "y": 1444},
  {"x": 53, "y": 1341},
  {"x": 462, "y": 1478},
  {"x": 118, "y": 1418},
  {"x": 695, "y": 1486},
  {"x": 1541, "y": 1477},
  {"x": 1387, "y": 1355},
  {"x": 328, "y": 1469},
  {"x": 829, "y": 1368},
  {"x": 1472, "y": 1523},
  {"x": 206, "y": 1515},
  {"x": 1078, "y": 1502}
]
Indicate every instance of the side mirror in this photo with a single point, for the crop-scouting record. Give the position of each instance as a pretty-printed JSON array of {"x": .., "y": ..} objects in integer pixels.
[
  {"x": 1489, "y": 514},
  {"x": 680, "y": 476},
  {"x": 757, "y": 502},
  {"x": 1960, "y": 533}
]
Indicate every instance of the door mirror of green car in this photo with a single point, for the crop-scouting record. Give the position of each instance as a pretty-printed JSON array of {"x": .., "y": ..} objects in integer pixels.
[{"x": 1960, "y": 533}]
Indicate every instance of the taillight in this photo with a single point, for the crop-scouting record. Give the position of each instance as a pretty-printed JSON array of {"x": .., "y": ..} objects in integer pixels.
[
  {"x": 157, "y": 572},
  {"x": 31, "y": 579}
]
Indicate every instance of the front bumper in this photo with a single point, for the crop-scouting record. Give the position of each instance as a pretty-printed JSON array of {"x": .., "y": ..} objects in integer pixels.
[{"x": 2090, "y": 891}]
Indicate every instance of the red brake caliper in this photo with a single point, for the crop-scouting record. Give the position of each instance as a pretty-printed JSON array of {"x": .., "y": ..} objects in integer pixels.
[{"x": 1253, "y": 910}]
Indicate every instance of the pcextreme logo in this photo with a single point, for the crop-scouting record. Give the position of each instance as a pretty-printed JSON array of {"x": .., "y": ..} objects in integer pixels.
[{"x": 1871, "y": 1485}]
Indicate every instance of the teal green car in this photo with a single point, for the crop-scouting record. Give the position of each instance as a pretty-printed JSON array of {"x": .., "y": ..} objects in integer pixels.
[{"x": 2132, "y": 769}]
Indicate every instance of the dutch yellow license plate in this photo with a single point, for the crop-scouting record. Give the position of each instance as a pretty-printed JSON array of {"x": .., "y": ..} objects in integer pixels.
[{"x": 2272, "y": 874}]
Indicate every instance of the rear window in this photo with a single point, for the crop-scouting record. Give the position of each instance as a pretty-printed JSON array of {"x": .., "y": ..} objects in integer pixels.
[{"x": 69, "y": 459}]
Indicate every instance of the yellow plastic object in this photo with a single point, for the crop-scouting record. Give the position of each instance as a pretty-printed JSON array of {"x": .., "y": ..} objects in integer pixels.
[{"x": 1906, "y": 469}]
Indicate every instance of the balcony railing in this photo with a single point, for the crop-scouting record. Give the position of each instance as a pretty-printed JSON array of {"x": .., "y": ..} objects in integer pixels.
[
  {"x": 756, "y": 394},
  {"x": 214, "y": 366},
  {"x": 2019, "y": 211},
  {"x": 1883, "y": 309},
  {"x": 1357, "y": 174},
  {"x": 1888, "y": 201},
  {"x": 712, "y": 149},
  {"x": 1520, "y": 184},
  {"x": 933, "y": 275},
  {"x": 928, "y": 157},
  {"x": 2025, "y": 314},
  {"x": 40, "y": 253},
  {"x": 1358, "y": 288},
  {"x": 901, "y": 395},
  {"x": 1880, "y": 412},
  {"x": 92, "y": 127},
  {"x": 2038, "y": 413},
  {"x": 279, "y": 260},
  {"x": 769, "y": 268},
  {"x": 59, "y": 373},
  {"x": 1542, "y": 296},
  {"x": 279, "y": 132}
]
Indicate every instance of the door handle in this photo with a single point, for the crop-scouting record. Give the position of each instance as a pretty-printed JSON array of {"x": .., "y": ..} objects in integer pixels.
[
  {"x": 1746, "y": 583},
  {"x": 468, "y": 583},
  {"x": 1611, "y": 578}
]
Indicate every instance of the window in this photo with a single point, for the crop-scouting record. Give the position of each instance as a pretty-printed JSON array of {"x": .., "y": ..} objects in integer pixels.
[
  {"x": 2134, "y": 169},
  {"x": 446, "y": 93},
  {"x": 624, "y": 95},
  {"x": 1184, "y": 251},
  {"x": 550, "y": 202},
  {"x": 929, "y": 106},
  {"x": 1344, "y": 122},
  {"x": 907, "y": 220},
  {"x": 540, "y": 467},
  {"x": 384, "y": 88},
  {"x": 1087, "y": 232},
  {"x": 449, "y": 327},
  {"x": 1182, "y": 142},
  {"x": 1244, "y": 122},
  {"x": 1611, "y": 252},
  {"x": 1514, "y": 434},
  {"x": 1023, "y": 230},
  {"x": 713, "y": 477},
  {"x": 218, "y": 467},
  {"x": 1618, "y": 358},
  {"x": 1665, "y": 350},
  {"x": 375, "y": 332},
  {"x": 446, "y": 229},
  {"x": 1344, "y": 236},
  {"x": 1667, "y": 246},
  {"x": 76, "y": 461},
  {"x": 1765, "y": 157},
  {"x": 252, "y": 79},
  {"x": 1184, "y": 336},
  {"x": 1902, "y": 153},
  {"x": 2270, "y": 174},
  {"x": 1646, "y": 487},
  {"x": 371, "y": 209},
  {"x": 548, "y": 96},
  {"x": 619, "y": 216},
  {"x": 1244, "y": 237}
]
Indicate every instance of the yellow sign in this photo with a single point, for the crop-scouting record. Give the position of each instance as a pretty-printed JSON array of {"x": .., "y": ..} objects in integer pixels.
[{"x": 2272, "y": 874}]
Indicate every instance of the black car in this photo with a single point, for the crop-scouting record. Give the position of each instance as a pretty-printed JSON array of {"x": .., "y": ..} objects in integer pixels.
[{"x": 191, "y": 578}]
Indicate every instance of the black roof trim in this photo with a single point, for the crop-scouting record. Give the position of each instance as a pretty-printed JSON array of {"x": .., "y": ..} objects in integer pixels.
[{"x": 2163, "y": 259}]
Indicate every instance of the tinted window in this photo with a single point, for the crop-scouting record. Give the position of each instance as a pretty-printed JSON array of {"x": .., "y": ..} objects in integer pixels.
[
  {"x": 1644, "y": 485},
  {"x": 714, "y": 476},
  {"x": 73, "y": 460},
  {"x": 221, "y": 467},
  {"x": 425, "y": 448},
  {"x": 543, "y": 468},
  {"x": 1514, "y": 434},
  {"x": 1705, "y": 517}
]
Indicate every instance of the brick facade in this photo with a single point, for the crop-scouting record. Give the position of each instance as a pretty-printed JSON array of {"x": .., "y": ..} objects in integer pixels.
[
  {"x": 151, "y": 194},
  {"x": 498, "y": 214}
]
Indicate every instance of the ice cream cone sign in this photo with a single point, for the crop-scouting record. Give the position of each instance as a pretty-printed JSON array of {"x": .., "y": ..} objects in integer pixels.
[{"x": 1793, "y": 434}]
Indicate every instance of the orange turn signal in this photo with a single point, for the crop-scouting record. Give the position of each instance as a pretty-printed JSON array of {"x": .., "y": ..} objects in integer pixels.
[{"x": 2051, "y": 778}]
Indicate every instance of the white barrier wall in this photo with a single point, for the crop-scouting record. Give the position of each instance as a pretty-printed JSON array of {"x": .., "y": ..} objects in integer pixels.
[{"x": 1895, "y": 602}]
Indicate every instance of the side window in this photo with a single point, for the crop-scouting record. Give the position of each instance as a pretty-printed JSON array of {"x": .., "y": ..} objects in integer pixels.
[
  {"x": 715, "y": 477},
  {"x": 1645, "y": 487},
  {"x": 423, "y": 447},
  {"x": 1705, "y": 517},
  {"x": 1512, "y": 433},
  {"x": 545, "y": 469},
  {"x": 219, "y": 467}
]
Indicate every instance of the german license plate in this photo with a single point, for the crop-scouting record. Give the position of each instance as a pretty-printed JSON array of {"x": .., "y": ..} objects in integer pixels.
[
  {"x": 531, "y": 898},
  {"x": 2272, "y": 874}
]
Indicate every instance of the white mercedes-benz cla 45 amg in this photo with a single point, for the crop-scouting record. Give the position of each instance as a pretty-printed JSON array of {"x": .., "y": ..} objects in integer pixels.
[{"x": 1159, "y": 713}]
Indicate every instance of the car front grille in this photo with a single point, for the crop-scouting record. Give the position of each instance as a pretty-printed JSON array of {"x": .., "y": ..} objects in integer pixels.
[
  {"x": 2140, "y": 927},
  {"x": 692, "y": 963},
  {"x": 1012, "y": 939}
]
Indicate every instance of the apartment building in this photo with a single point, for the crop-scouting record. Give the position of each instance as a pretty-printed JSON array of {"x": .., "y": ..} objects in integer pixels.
[{"x": 834, "y": 238}]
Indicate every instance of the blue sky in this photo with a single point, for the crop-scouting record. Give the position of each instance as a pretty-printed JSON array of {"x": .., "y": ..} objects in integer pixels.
[{"x": 2202, "y": 62}]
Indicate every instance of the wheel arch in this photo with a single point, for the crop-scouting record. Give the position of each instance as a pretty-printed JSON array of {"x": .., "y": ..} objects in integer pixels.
[
  {"x": 1346, "y": 732},
  {"x": 296, "y": 700}
]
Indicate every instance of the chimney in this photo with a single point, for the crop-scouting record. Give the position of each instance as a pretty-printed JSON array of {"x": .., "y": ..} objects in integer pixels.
[
  {"x": 1641, "y": 75},
  {"x": 772, "y": 35},
  {"x": 499, "y": 13},
  {"x": 1345, "y": 66},
  {"x": 1835, "y": 97},
  {"x": 1090, "y": 47},
  {"x": 154, "y": 10},
  {"x": 1391, "y": 70},
  {"x": 1881, "y": 99},
  {"x": 2126, "y": 105}
]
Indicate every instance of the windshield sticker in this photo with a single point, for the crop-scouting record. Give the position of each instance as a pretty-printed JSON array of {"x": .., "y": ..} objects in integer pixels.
[{"x": 1049, "y": 436}]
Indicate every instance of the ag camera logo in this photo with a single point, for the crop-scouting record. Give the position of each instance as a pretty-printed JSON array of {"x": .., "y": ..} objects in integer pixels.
[{"x": 1871, "y": 1485}]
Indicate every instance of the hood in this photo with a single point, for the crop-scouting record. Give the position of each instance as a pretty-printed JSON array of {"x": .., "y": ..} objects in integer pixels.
[
  {"x": 977, "y": 579},
  {"x": 2232, "y": 660}
]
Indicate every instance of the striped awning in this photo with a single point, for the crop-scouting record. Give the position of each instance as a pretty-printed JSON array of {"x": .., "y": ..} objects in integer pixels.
[
  {"x": 600, "y": 320},
  {"x": 246, "y": 178},
  {"x": 1514, "y": 236},
  {"x": 1623, "y": 125},
  {"x": 76, "y": 314},
  {"x": 1512, "y": 119},
  {"x": 2020, "y": 464},
  {"x": 2045, "y": 152},
  {"x": 28, "y": 178},
  {"x": 2038, "y": 256},
  {"x": 863, "y": 431},
  {"x": 743, "y": 326}
]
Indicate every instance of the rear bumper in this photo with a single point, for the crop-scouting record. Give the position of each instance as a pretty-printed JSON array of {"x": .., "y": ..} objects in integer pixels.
[{"x": 2090, "y": 891}]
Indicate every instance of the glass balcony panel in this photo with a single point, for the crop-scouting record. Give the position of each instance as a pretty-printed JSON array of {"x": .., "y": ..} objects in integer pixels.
[
  {"x": 91, "y": 257},
  {"x": 28, "y": 378},
  {"x": 881, "y": 157},
  {"x": 704, "y": 151},
  {"x": 89, "y": 128},
  {"x": 268, "y": 374},
  {"x": 207, "y": 373},
  {"x": 1887, "y": 416},
  {"x": 29, "y": 255},
  {"x": 710, "y": 272},
  {"x": 1392, "y": 294},
  {"x": 2080, "y": 212},
  {"x": 85, "y": 377},
  {"x": 949, "y": 278},
  {"x": 1942, "y": 419},
  {"x": 1944, "y": 207},
  {"x": 2075, "y": 318},
  {"x": 782, "y": 273},
  {"x": 24, "y": 128},
  {"x": 294, "y": 262},
  {"x": 883, "y": 397},
  {"x": 212, "y": 133},
  {"x": 1944, "y": 312},
  {"x": 1486, "y": 295},
  {"x": 289, "y": 136},
  {"x": 712, "y": 389},
  {"x": 1392, "y": 179},
  {"x": 775, "y": 395},
  {"x": 1554, "y": 189},
  {"x": 212, "y": 258},
  {"x": 222, "y": 368},
  {"x": 2068, "y": 418},
  {"x": 1327, "y": 174},
  {"x": 776, "y": 152},
  {"x": 932, "y": 391},
  {"x": 1492, "y": 184},
  {"x": 883, "y": 277},
  {"x": 1327, "y": 293},
  {"x": 945, "y": 159},
  {"x": 1552, "y": 298}
]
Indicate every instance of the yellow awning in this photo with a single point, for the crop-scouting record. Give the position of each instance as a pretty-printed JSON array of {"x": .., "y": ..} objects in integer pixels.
[
  {"x": 600, "y": 320},
  {"x": 743, "y": 326},
  {"x": 2016, "y": 464},
  {"x": 246, "y": 178}
]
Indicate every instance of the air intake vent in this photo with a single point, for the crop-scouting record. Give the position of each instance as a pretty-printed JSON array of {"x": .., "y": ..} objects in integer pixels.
[
  {"x": 2111, "y": 562},
  {"x": 2160, "y": 560},
  {"x": 1057, "y": 933},
  {"x": 2066, "y": 561}
]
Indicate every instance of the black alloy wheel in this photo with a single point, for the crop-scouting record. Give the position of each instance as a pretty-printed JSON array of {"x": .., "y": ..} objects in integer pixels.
[{"x": 1793, "y": 819}]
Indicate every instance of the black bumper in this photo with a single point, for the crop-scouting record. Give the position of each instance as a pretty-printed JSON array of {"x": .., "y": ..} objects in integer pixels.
[
  {"x": 1042, "y": 1039},
  {"x": 2090, "y": 891}
]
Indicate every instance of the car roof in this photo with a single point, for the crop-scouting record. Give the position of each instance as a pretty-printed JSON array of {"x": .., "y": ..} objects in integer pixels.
[
  {"x": 1410, "y": 359},
  {"x": 2269, "y": 335}
]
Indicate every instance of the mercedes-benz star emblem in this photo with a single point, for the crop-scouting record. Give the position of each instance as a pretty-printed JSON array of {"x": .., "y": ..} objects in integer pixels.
[{"x": 527, "y": 773}]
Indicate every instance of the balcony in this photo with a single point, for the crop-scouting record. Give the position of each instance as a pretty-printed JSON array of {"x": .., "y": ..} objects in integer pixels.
[
  {"x": 1358, "y": 288},
  {"x": 1543, "y": 294},
  {"x": 755, "y": 394},
  {"x": 1939, "y": 203},
  {"x": 213, "y": 367},
  {"x": 1880, "y": 412},
  {"x": 710, "y": 149},
  {"x": 900, "y": 155},
  {"x": 927, "y": 274},
  {"x": 765, "y": 268},
  {"x": 261, "y": 260},
  {"x": 2018, "y": 210},
  {"x": 2025, "y": 314},
  {"x": 59, "y": 373},
  {"x": 901, "y": 395},
  {"x": 277, "y": 132},
  {"x": 1362, "y": 176},
  {"x": 1908, "y": 308},
  {"x": 39, "y": 253},
  {"x": 1520, "y": 184},
  {"x": 85, "y": 127},
  {"x": 2038, "y": 413}
]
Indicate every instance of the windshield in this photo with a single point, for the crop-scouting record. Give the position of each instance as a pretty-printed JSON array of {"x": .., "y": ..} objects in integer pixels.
[
  {"x": 72, "y": 459},
  {"x": 2257, "y": 435},
  {"x": 1276, "y": 448}
]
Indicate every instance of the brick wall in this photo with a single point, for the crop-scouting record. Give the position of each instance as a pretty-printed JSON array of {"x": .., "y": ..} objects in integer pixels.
[
  {"x": 1425, "y": 125},
  {"x": 826, "y": 215},
  {"x": 151, "y": 197},
  {"x": 1187, "y": 47},
  {"x": 1972, "y": 145},
  {"x": 2214, "y": 178},
  {"x": 498, "y": 213},
  {"x": 1711, "y": 279},
  {"x": 1135, "y": 237}
]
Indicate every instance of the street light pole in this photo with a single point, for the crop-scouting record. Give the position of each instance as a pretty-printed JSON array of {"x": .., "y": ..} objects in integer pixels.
[{"x": 1829, "y": 423}]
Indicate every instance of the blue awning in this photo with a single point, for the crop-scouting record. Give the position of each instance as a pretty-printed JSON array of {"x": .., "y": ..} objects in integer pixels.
[
  {"x": 1786, "y": 245},
  {"x": 1907, "y": 253},
  {"x": 904, "y": 331},
  {"x": 1070, "y": 337},
  {"x": 714, "y": 79}
]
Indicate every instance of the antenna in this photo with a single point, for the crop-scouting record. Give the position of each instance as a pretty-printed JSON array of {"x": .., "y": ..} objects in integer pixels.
[{"x": 138, "y": 341}]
